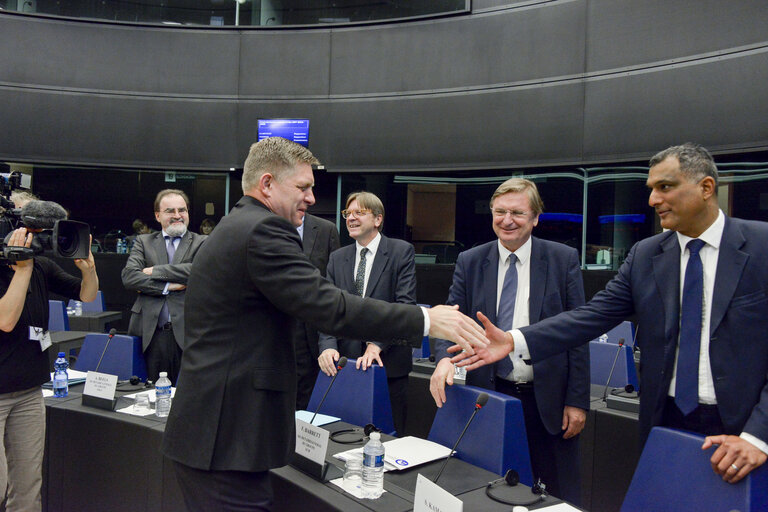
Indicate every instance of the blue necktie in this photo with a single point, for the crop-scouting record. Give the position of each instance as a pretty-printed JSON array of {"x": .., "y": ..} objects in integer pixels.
[
  {"x": 170, "y": 248},
  {"x": 687, "y": 383},
  {"x": 507, "y": 311}
]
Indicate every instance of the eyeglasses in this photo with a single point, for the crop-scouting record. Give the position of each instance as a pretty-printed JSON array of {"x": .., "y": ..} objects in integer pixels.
[
  {"x": 501, "y": 212},
  {"x": 171, "y": 211},
  {"x": 356, "y": 213}
]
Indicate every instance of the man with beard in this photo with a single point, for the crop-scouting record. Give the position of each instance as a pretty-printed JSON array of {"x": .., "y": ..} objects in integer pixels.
[{"x": 157, "y": 270}]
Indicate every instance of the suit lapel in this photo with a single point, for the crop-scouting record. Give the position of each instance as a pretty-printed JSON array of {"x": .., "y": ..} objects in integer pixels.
[
  {"x": 310, "y": 235},
  {"x": 158, "y": 245},
  {"x": 666, "y": 272},
  {"x": 539, "y": 276},
  {"x": 489, "y": 272},
  {"x": 181, "y": 250},
  {"x": 730, "y": 264},
  {"x": 348, "y": 269},
  {"x": 379, "y": 262}
]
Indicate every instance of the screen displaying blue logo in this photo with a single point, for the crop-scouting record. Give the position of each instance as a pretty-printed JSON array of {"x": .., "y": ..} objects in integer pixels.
[{"x": 296, "y": 130}]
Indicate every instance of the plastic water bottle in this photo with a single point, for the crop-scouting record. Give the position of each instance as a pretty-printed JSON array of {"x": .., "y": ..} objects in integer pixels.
[
  {"x": 603, "y": 338},
  {"x": 78, "y": 308},
  {"x": 373, "y": 467},
  {"x": 163, "y": 392},
  {"x": 60, "y": 377}
]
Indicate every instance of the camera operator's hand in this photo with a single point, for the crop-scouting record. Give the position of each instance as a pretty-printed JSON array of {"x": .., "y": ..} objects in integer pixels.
[
  {"x": 12, "y": 302},
  {"x": 90, "y": 284},
  {"x": 22, "y": 238}
]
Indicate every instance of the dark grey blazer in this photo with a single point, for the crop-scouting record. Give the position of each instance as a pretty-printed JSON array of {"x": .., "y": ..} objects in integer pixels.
[
  {"x": 150, "y": 251},
  {"x": 234, "y": 407},
  {"x": 393, "y": 279}
]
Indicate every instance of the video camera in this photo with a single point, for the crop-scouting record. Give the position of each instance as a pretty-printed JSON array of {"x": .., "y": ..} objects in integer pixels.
[{"x": 54, "y": 234}]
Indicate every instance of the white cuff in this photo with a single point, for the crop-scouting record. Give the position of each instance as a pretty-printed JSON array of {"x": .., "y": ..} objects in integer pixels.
[
  {"x": 521, "y": 346},
  {"x": 762, "y": 445},
  {"x": 427, "y": 324},
  {"x": 165, "y": 289}
]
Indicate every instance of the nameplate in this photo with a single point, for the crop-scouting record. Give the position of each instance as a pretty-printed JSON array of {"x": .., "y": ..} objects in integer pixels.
[
  {"x": 430, "y": 497},
  {"x": 311, "y": 441},
  {"x": 100, "y": 385}
]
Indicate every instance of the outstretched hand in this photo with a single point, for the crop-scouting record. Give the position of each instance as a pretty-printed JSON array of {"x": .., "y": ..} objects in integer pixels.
[
  {"x": 449, "y": 323},
  {"x": 501, "y": 344}
]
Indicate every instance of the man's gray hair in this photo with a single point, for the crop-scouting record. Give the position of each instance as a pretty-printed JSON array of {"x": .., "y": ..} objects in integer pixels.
[
  {"x": 695, "y": 161},
  {"x": 274, "y": 155}
]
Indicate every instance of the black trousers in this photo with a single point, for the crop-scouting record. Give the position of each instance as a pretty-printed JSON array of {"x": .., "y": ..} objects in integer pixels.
[
  {"x": 705, "y": 419},
  {"x": 163, "y": 355},
  {"x": 553, "y": 459},
  {"x": 224, "y": 491},
  {"x": 398, "y": 396}
]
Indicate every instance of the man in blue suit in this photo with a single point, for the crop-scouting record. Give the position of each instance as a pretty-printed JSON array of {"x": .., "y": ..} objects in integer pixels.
[
  {"x": 546, "y": 278},
  {"x": 700, "y": 292},
  {"x": 388, "y": 273}
]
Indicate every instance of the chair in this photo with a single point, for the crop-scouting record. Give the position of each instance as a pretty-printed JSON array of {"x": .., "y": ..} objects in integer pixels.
[
  {"x": 57, "y": 316},
  {"x": 674, "y": 474},
  {"x": 95, "y": 306},
  {"x": 601, "y": 357},
  {"x": 123, "y": 357},
  {"x": 496, "y": 440},
  {"x": 357, "y": 397},
  {"x": 624, "y": 330}
]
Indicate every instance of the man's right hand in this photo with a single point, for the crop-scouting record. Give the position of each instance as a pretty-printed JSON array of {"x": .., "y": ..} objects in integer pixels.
[
  {"x": 176, "y": 287},
  {"x": 442, "y": 375},
  {"x": 448, "y": 323},
  {"x": 327, "y": 361},
  {"x": 502, "y": 344}
]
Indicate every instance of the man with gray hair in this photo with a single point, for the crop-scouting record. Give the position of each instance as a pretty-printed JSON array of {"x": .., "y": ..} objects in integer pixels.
[
  {"x": 233, "y": 415},
  {"x": 518, "y": 280},
  {"x": 700, "y": 292}
]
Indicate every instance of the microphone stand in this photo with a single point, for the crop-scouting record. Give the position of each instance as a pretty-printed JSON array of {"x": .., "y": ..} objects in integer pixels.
[
  {"x": 482, "y": 398},
  {"x": 342, "y": 363},
  {"x": 610, "y": 375}
]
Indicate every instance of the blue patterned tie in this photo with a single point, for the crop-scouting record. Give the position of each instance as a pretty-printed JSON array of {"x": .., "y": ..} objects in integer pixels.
[
  {"x": 687, "y": 383},
  {"x": 507, "y": 311},
  {"x": 170, "y": 248}
]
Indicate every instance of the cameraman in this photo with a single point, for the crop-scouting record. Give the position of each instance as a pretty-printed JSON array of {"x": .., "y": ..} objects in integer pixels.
[{"x": 24, "y": 363}]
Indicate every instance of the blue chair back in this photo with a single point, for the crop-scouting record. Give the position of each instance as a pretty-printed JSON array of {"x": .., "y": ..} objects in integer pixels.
[
  {"x": 123, "y": 357},
  {"x": 499, "y": 423},
  {"x": 601, "y": 357},
  {"x": 673, "y": 474},
  {"x": 57, "y": 316},
  {"x": 357, "y": 397},
  {"x": 97, "y": 305}
]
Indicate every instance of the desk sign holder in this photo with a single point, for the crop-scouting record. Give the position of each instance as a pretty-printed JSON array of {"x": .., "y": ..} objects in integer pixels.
[
  {"x": 311, "y": 447},
  {"x": 430, "y": 497},
  {"x": 100, "y": 391}
]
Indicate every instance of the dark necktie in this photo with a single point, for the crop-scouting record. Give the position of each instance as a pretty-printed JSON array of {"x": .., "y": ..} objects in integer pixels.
[
  {"x": 691, "y": 312},
  {"x": 360, "y": 275},
  {"x": 507, "y": 311},
  {"x": 170, "y": 248}
]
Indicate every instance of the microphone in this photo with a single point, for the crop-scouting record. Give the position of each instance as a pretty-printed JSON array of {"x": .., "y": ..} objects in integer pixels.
[
  {"x": 112, "y": 332},
  {"x": 482, "y": 399},
  {"x": 42, "y": 214},
  {"x": 616, "y": 358},
  {"x": 341, "y": 364}
]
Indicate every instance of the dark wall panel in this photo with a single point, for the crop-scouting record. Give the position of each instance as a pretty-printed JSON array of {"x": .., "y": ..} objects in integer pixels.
[
  {"x": 467, "y": 130},
  {"x": 484, "y": 50},
  {"x": 285, "y": 63},
  {"x": 722, "y": 104},
  {"x": 101, "y": 57},
  {"x": 629, "y": 33},
  {"x": 86, "y": 128}
]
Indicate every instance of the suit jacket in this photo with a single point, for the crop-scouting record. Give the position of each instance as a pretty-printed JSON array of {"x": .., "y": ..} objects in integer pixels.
[
  {"x": 236, "y": 397},
  {"x": 648, "y": 285},
  {"x": 556, "y": 286},
  {"x": 320, "y": 239},
  {"x": 150, "y": 251},
  {"x": 393, "y": 279}
]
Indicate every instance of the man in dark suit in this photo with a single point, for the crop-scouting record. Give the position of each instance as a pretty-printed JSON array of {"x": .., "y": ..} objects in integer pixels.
[
  {"x": 518, "y": 280},
  {"x": 388, "y": 272},
  {"x": 319, "y": 239},
  {"x": 700, "y": 292},
  {"x": 158, "y": 313},
  {"x": 233, "y": 414}
]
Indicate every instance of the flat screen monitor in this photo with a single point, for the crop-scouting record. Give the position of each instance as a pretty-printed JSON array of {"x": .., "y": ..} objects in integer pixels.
[{"x": 296, "y": 130}]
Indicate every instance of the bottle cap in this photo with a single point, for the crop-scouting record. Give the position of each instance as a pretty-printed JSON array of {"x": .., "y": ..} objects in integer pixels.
[
  {"x": 375, "y": 436},
  {"x": 163, "y": 374},
  {"x": 61, "y": 354}
]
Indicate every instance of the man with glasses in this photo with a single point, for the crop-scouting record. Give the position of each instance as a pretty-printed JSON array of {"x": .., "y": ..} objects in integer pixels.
[
  {"x": 518, "y": 280},
  {"x": 382, "y": 268},
  {"x": 157, "y": 270}
]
